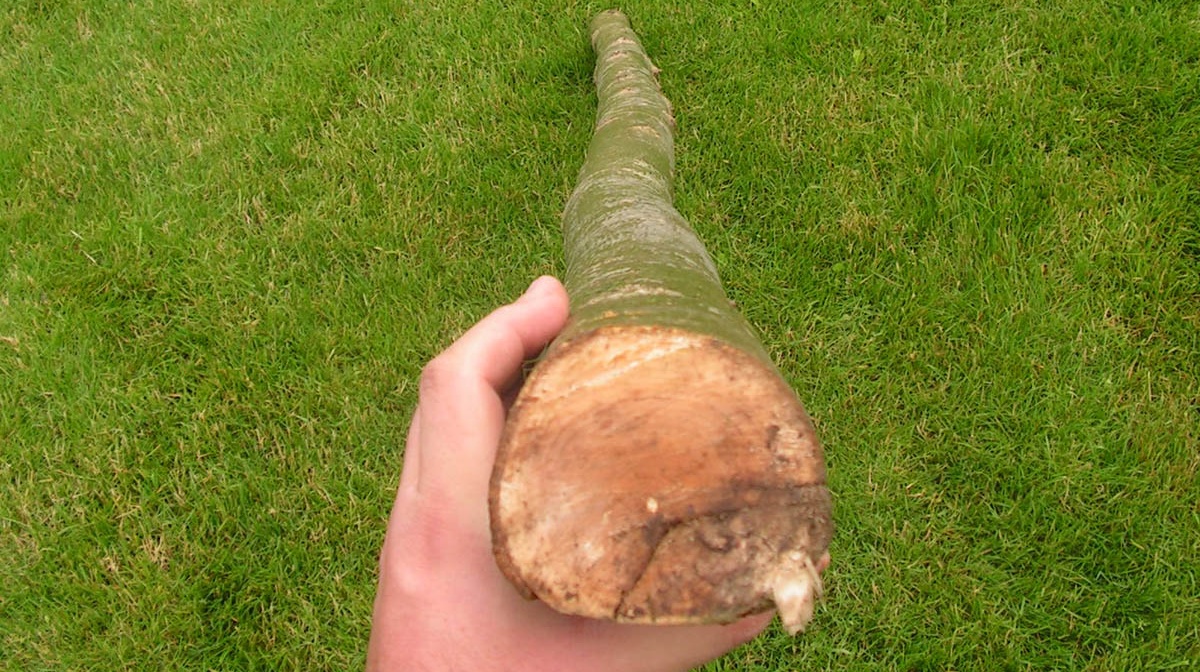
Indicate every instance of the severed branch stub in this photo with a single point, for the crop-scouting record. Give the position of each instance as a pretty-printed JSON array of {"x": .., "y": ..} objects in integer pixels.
[{"x": 655, "y": 468}]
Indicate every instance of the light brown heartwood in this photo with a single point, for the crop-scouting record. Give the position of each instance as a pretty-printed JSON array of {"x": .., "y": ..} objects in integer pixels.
[{"x": 655, "y": 468}]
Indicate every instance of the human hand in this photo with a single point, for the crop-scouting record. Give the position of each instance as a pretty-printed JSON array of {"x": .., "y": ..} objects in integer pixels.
[{"x": 442, "y": 602}]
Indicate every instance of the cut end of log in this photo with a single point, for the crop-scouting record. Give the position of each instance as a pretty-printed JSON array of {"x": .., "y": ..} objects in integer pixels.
[{"x": 654, "y": 475}]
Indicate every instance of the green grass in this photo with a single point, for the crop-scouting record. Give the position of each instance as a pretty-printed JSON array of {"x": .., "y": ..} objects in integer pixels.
[{"x": 232, "y": 232}]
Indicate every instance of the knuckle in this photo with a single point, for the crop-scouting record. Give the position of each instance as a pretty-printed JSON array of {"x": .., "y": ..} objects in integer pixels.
[
  {"x": 416, "y": 551},
  {"x": 436, "y": 377}
]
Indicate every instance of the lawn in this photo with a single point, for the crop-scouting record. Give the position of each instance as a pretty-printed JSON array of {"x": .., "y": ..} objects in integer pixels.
[{"x": 233, "y": 232}]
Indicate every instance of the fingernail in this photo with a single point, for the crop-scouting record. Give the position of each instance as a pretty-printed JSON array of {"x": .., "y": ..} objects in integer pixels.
[{"x": 536, "y": 287}]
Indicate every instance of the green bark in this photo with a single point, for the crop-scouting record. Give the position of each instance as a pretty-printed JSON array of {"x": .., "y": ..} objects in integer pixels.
[{"x": 632, "y": 259}]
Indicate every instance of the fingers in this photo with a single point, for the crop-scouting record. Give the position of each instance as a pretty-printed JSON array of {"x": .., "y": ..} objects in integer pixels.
[
  {"x": 675, "y": 647},
  {"x": 683, "y": 648},
  {"x": 461, "y": 413},
  {"x": 658, "y": 647}
]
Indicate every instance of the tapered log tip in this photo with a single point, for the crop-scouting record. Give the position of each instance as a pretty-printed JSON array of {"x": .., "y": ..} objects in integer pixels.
[
  {"x": 653, "y": 475},
  {"x": 610, "y": 17}
]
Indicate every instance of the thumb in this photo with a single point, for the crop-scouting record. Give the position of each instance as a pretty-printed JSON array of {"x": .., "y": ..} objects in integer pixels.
[{"x": 460, "y": 413}]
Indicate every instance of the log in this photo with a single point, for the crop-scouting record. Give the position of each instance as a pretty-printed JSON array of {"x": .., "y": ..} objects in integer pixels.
[{"x": 655, "y": 467}]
